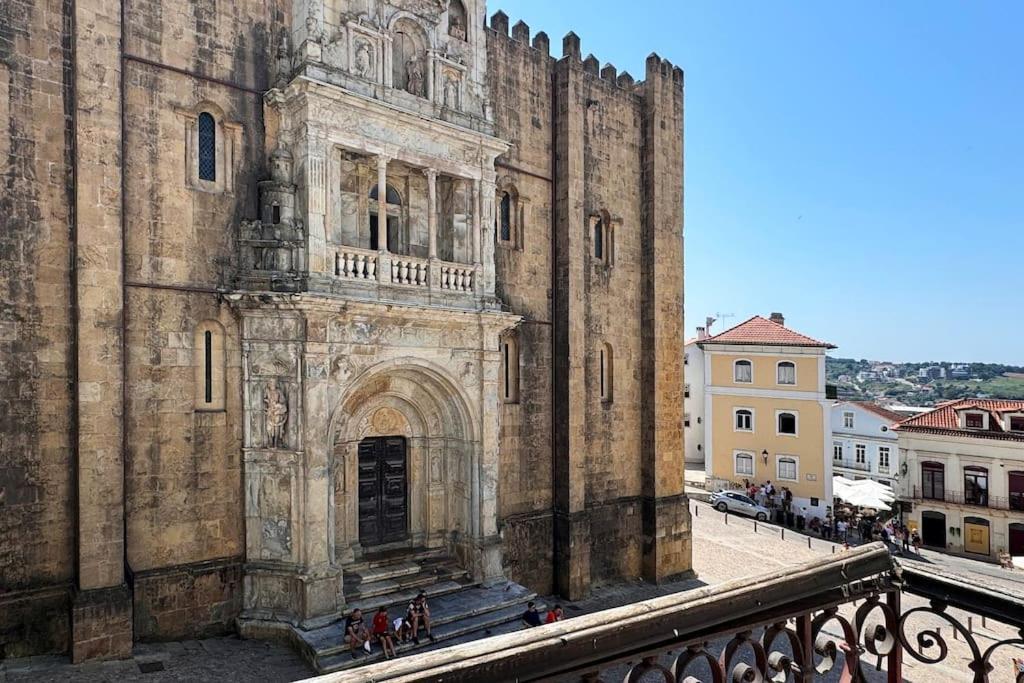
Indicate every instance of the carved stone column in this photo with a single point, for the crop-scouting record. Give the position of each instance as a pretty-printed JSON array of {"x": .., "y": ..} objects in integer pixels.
[
  {"x": 432, "y": 211},
  {"x": 382, "y": 202},
  {"x": 484, "y": 236}
]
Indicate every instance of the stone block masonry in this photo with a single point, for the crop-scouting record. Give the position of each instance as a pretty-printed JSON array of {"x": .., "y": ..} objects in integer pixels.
[{"x": 208, "y": 313}]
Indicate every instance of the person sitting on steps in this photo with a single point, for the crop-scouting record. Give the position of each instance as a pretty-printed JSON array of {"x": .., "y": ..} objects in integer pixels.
[
  {"x": 419, "y": 615},
  {"x": 382, "y": 632},
  {"x": 555, "y": 614},
  {"x": 531, "y": 617},
  {"x": 355, "y": 633}
]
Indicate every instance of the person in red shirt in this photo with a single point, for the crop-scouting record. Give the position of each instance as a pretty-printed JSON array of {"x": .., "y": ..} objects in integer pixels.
[
  {"x": 554, "y": 615},
  {"x": 381, "y": 632}
]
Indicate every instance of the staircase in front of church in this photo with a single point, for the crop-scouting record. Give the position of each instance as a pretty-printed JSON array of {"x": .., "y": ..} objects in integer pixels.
[{"x": 461, "y": 610}]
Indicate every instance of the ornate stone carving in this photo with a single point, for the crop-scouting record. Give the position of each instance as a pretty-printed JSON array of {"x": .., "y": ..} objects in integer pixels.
[
  {"x": 275, "y": 405},
  {"x": 277, "y": 539},
  {"x": 363, "y": 60},
  {"x": 313, "y": 31},
  {"x": 388, "y": 421},
  {"x": 414, "y": 74},
  {"x": 451, "y": 89}
]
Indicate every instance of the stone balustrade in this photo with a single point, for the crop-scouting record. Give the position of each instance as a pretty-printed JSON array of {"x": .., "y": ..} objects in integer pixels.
[
  {"x": 457, "y": 277},
  {"x": 356, "y": 264},
  {"x": 406, "y": 270}
]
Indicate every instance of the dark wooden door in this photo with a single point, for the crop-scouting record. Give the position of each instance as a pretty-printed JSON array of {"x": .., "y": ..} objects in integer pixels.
[
  {"x": 383, "y": 491},
  {"x": 933, "y": 529}
]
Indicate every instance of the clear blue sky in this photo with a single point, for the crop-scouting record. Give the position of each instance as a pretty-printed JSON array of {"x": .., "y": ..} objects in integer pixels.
[{"x": 857, "y": 166}]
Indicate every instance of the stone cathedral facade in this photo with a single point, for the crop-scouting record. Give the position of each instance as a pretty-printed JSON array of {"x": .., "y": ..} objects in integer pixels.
[{"x": 291, "y": 282}]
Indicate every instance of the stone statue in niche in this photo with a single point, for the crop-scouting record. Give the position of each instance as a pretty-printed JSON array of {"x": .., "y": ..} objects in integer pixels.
[
  {"x": 456, "y": 26},
  {"x": 284, "y": 62},
  {"x": 414, "y": 73},
  {"x": 451, "y": 90},
  {"x": 275, "y": 405},
  {"x": 363, "y": 59}
]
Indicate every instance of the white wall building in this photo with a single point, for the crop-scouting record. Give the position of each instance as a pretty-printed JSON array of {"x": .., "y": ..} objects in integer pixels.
[
  {"x": 864, "y": 445},
  {"x": 693, "y": 400}
]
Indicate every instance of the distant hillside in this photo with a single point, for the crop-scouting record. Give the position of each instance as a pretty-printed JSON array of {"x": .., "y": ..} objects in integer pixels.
[{"x": 923, "y": 383}]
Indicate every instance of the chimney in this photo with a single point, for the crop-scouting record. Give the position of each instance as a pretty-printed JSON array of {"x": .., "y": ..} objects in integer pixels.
[
  {"x": 777, "y": 318},
  {"x": 702, "y": 333}
]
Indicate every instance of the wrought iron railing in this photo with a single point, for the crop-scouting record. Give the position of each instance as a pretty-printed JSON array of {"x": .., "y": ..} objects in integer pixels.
[
  {"x": 795, "y": 624},
  {"x": 981, "y": 500}
]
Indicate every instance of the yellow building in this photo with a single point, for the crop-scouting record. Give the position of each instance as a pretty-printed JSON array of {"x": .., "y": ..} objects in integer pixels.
[{"x": 766, "y": 417}]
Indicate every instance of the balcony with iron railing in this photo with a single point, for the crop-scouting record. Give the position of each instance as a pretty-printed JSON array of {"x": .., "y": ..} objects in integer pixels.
[
  {"x": 981, "y": 500},
  {"x": 838, "y": 618},
  {"x": 848, "y": 464}
]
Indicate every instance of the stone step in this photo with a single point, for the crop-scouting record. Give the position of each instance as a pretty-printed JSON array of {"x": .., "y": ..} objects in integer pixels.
[
  {"x": 397, "y": 556},
  {"x": 356, "y": 577},
  {"x": 426, "y": 575},
  {"x": 501, "y": 615}
]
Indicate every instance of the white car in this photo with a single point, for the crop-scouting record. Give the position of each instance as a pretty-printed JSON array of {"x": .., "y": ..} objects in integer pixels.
[{"x": 735, "y": 502}]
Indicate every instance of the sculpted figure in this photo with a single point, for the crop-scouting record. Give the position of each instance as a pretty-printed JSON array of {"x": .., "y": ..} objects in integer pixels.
[
  {"x": 414, "y": 73},
  {"x": 313, "y": 32},
  {"x": 456, "y": 27},
  {"x": 276, "y": 414},
  {"x": 451, "y": 91},
  {"x": 363, "y": 59}
]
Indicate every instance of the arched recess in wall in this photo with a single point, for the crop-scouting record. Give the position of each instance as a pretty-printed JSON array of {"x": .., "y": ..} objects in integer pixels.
[
  {"x": 409, "y": 56},
  {"x": 208, "y": 360},
  {"x": 393, "y": 222},
  {"x": 509, "y": 379},
  {"x": 607, "y": 372},
  {"x": 508, "y": 216},
  {"x": 457, "y": 20}
]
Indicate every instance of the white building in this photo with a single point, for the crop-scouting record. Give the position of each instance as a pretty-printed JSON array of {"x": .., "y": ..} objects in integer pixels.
[
  {"x": 864, "y": 445},
  {"x": 693, "y": 399},
  {"x": 965, "y": 476}
]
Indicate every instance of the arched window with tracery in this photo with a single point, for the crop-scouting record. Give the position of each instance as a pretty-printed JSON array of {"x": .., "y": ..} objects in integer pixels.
[
  {"x": 207, "y": 147},
  {"x": 505, "y": 217}
]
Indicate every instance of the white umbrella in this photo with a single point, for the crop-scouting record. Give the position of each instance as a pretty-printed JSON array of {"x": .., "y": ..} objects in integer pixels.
[{"x": 864, "y": 493}]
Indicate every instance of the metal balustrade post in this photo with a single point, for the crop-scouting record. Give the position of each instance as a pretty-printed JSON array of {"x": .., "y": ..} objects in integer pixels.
[
  {"x": 894, "y": 665},
  {"x": 804, "y": 634}
]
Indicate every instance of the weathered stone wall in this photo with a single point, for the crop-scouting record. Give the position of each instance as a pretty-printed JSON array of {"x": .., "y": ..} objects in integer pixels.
[
  {"x": 36, "y": 400},
  {"x": 519, "y": 80},
  {"x": 185, "y": 528}
]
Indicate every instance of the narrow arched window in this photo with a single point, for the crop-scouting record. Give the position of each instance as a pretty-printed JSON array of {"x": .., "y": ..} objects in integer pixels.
[
  {"x": 509, "y": 370},
  {"x": 787, "y": 423},
  {"x": 599, "y": 239},
  {"x": 607, "y": 374},
  {"x": 505, "y": 217},
  {"x": 208, "y": 354},
  {"x": 744, "y": 420},
  {"x": 207, "y": 147}
]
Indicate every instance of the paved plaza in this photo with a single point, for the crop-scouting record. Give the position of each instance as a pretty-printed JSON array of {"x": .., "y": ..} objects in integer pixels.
[{"x": 723, "y": 549}]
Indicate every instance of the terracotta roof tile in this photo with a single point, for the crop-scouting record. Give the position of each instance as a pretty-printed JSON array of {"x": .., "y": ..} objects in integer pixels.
[
  {"x": 762, "y": 331},
  {"x": 943, "y": 419},
  {"x": 878, "y": 410}
]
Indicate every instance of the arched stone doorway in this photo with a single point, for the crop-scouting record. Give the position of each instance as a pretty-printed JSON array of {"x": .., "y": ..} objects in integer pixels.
[{"x": 416, "y": 404}]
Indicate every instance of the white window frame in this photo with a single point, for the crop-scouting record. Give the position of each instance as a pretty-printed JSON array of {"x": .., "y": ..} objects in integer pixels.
[
  {"x": 785, "y": 384},
  {"x": 735, "y": 463},
  {"x": 888, "y": 459},
  {"x": 735, "y": 364},
  {"x": 848, "y": 419},
  {"x": 778, "y": 467},
  {"x": 1009, "y": 421},
  {"x": 796, "y": 418},
  {"x": 984, "y": 419},
  {"x": 860, "y": 453},
  {"x": 838, "y": 450},
  {"x": 686, "y": 420},
  {"x": 735, "y": 414}
]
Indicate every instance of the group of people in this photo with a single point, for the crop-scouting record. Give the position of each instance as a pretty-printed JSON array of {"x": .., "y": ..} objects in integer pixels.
[
  {"x": 385, "y": 632},
  {"x": 531, "y": 617},
  {"x": 768, "y": 496}
]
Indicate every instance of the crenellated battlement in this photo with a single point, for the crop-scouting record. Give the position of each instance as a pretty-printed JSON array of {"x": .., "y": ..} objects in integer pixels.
[{"x": 572, "y": 50}]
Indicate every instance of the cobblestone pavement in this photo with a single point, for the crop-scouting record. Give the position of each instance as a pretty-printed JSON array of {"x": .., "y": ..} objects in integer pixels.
[
  {"x": 214, "y": 659},
  {"x": 724, "y": 548}
]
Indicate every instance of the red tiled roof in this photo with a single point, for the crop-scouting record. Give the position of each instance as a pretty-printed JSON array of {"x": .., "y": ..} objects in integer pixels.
[
  {"x": 944, "y": 419},
  {"x": 878, "y": 410},
  {"x": 762, "y": 331}
]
